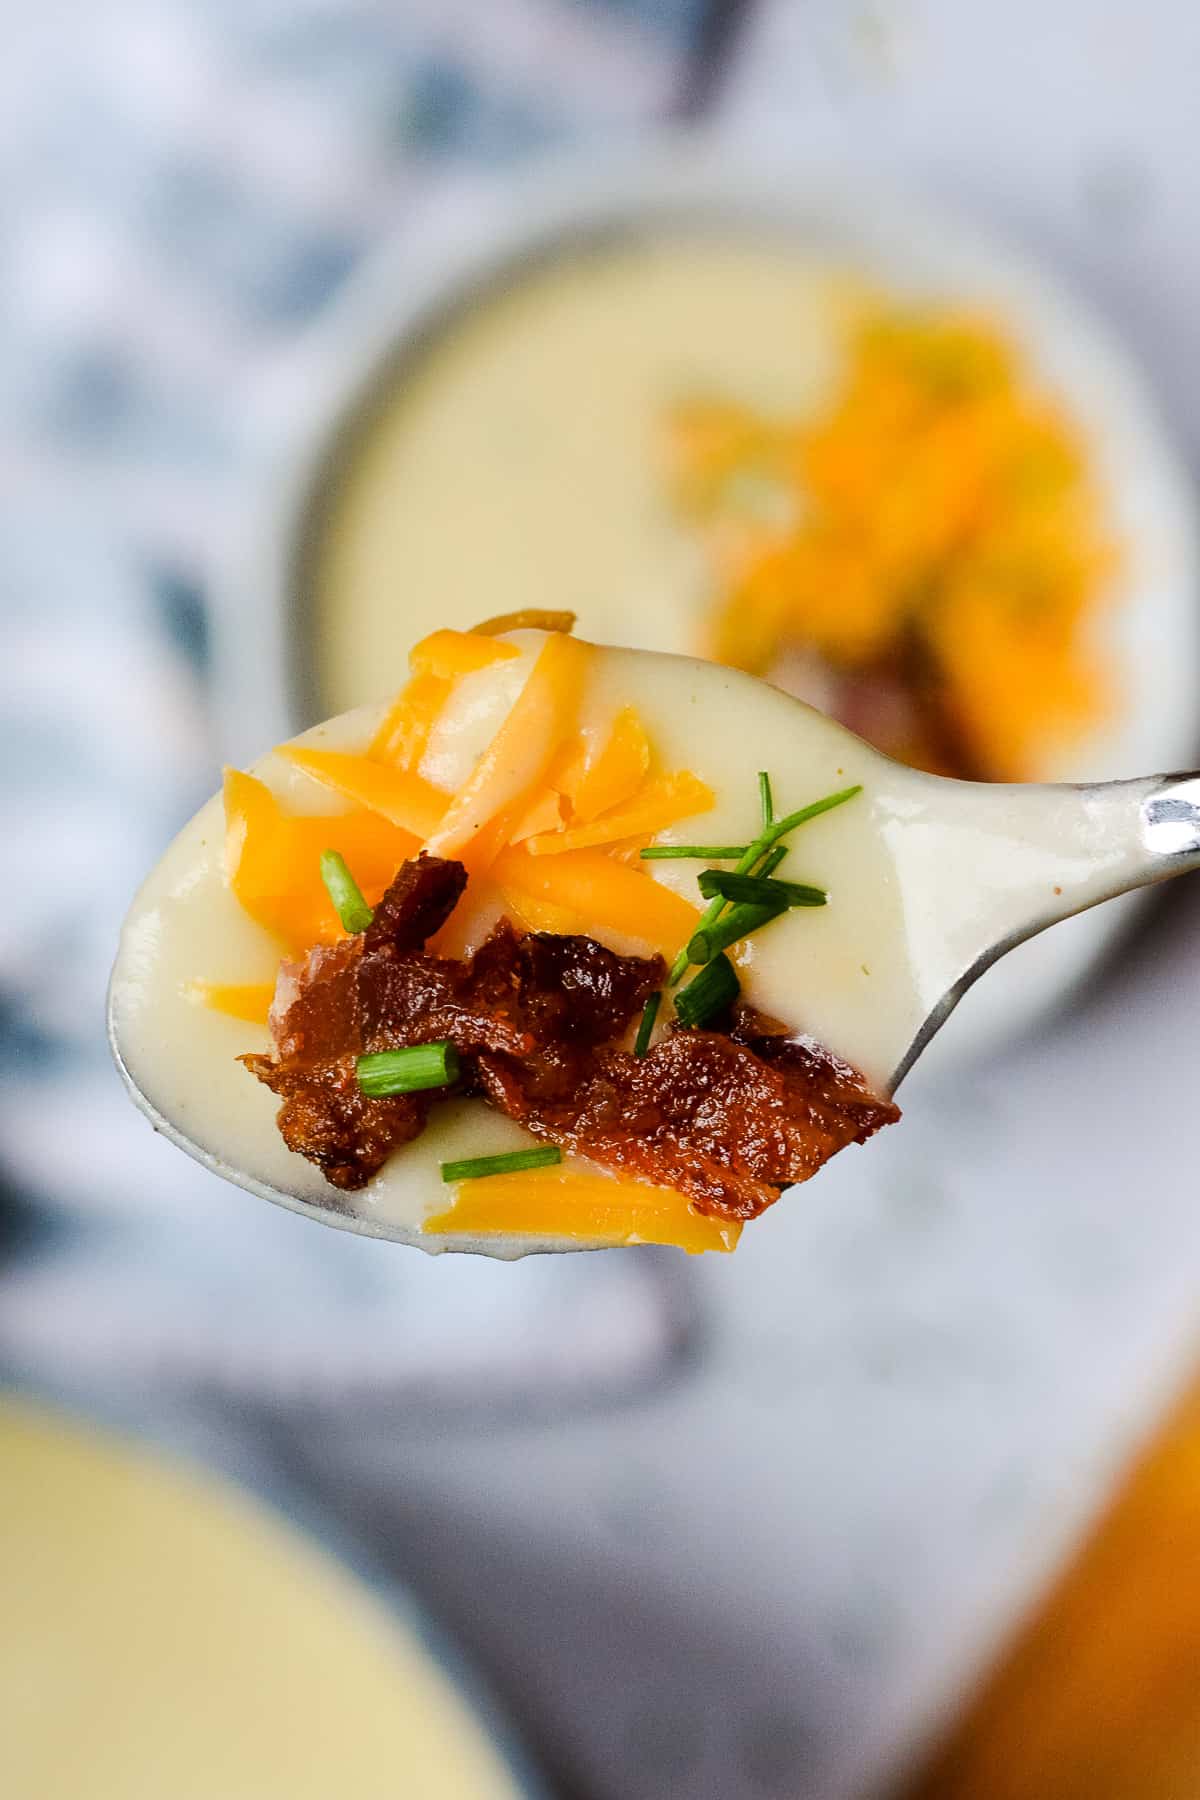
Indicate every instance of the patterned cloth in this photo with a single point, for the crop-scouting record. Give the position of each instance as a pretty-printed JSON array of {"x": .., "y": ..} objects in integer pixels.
[{"x": 184, "y": 184}]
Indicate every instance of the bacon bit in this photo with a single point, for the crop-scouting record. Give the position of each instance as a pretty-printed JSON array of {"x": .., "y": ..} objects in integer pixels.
[
  {"x": 417, "y": 903},
  {"x": 660, "y": 803},
  {"x": 529, "y": 618},
  {"x": 326, "y": 1117},
  {"x": 398, "y": 795},
  {"x": 249, "y": 1001},
  {"x": 617, "y": 772},
  {"x": 596, "y": 893},
  {"x": 507, "y": 775},
  {"x": 273, "y": 860},
  {"x": 449, "y": 654},
  {"x": 588, "y": 1208}
]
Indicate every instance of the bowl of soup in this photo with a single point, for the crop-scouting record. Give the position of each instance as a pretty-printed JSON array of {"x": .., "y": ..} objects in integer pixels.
[{"x": 758, "y": 413}]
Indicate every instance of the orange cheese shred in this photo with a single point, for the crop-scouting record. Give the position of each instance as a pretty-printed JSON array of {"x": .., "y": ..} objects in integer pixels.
[
  {"x": 617, "y": 772},
  {"x": 273, "y": 863},
  {"x": 404, "y": 733},
  {"x": 448, "y": 654},
  {"x": 662, "y": 802},
  {"x": 530, "y": 618},
  {"x": 511, "y": 769},
  {"x": 588, "y": 1208},
  {"x": 249, "y": 1001},
  {"x": 598, "y": 895},
  {"x": 544, "y": 813},
  {"x": 398, "y": 795}
]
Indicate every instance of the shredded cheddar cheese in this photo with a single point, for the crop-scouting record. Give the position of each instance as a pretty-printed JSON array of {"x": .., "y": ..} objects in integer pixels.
[
  {"x": 598, "y": 894},
  {"x": 589, "y": 1208},
  {"x": 273, "y": 860},
  {"x": 545, "y": 823},
  {"x": 507, "y": 775},
  {"x": 546, "y": 812},
  {"x": 659, "y": 803},
  {"x": 249, "y": 1001},
  {"x": 404, "y": 733},
  {"x": 618, "y": 771},
  {"x": 449, "y": 654},
  {"x": 529, "y": 618},
  {"x": 933, "y": 541},
  {"x": 397, "y": 794}
]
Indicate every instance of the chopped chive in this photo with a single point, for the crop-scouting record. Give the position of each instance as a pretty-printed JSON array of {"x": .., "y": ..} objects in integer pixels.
[
  {"x": 760, "y": 890},
  {"x": 649, "y": 1013},
  {"x": 510, "y": 1164},
  {"x": 697, "y": 852},
  {"x": 738, "y": 922},
  {"x": 344, "y": 891},
  {"x": 764, "y": 795},
  {"x": 709, "y": 993},
  {"x": 756, "y": 852},
  {"x": 771, "y": 861},
  {"x": 407, "y": 1071},
  {"x": 780, "y": 827}
]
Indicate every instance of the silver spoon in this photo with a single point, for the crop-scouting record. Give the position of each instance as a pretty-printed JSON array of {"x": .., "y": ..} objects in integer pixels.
[{"x": 1010, "y": 861}]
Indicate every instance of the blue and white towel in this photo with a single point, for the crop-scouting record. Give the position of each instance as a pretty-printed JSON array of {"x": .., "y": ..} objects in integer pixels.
[{"x": 185, "y": 183}]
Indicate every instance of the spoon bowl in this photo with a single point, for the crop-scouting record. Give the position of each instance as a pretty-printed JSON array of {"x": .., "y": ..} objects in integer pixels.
[{"x": 930, "y": 881}]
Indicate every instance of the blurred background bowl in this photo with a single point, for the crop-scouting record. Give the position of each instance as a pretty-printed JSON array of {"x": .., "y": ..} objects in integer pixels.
[
  {"x": 278, "y": 667},
  {"x": 201, "y": 1645}
]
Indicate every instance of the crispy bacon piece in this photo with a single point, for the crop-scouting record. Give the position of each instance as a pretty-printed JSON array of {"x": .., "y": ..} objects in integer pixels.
[
  {"x": 729, "y": 1118},
  {"x": 729, "y": 1123}
]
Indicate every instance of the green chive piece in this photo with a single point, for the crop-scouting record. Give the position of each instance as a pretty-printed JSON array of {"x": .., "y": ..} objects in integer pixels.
[
  {"x": 693, "y": 852},
  {"x": 709, "y": 993},
  {"x": 781, "y": 827},
  {"x": 344, "y": 891},
  {"x": 474, "y": 1166},
  {"x": 760, "y": 890},
  {"x": 771, "y": 862},
  {"x": 738, "y": 922},
  {"x": 764, "y": 795},
  {"x": 407, "y": 1071},
  {"x": 649, "y": 1014},
  {"x": 756, "y": 852}
]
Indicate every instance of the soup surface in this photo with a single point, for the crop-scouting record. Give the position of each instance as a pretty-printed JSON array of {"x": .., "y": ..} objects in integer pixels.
[{"x": 522, "y": 461}]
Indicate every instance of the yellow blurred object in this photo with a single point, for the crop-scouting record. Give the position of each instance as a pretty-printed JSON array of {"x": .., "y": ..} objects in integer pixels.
[
  {"x": 160, "y": 1635},
  {"x": 935, "y": 529},
  {"x": 591, "y": 1208},
  {"x": 1099, "y": 1698}
]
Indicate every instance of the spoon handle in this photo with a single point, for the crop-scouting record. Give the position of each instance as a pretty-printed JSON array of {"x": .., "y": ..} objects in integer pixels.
[{"x": 1170, "y": 825}]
